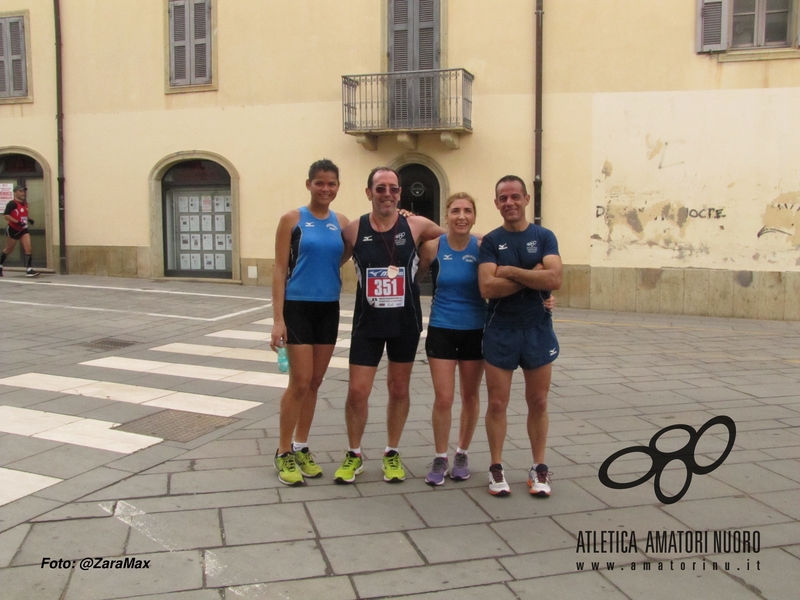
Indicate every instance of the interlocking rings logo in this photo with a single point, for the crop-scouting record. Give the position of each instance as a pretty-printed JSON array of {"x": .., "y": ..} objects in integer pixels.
[{"x": 662, "y": 459}]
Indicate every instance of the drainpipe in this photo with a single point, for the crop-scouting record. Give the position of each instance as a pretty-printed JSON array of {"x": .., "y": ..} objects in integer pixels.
[
  {"x": 537, "y": 134},
  {"x": 62, "y": 223}
]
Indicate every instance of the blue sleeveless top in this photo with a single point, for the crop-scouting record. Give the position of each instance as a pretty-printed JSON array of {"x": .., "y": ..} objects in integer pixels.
[
  {"x": 457, "y": 302},
  {"x": 314, "y": 258}
]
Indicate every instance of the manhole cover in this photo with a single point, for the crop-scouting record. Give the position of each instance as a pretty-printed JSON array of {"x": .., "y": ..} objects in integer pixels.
[
  {"x": 176, "y": 425},
  {"x": 108, "y": 344}
]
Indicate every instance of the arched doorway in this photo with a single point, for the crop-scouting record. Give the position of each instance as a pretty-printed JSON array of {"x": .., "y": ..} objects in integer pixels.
[
  {"x": 197, "y": 220},
  {"x": 26, "y": 170},
  {"x": 421, "y": 194}
]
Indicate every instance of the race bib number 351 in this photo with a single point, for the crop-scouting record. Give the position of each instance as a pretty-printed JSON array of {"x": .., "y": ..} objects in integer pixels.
[{"x": 384, "y": 291}]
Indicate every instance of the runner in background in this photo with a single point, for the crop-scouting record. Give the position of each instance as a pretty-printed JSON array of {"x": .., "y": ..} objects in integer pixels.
[{"x": 16, "y": 215}]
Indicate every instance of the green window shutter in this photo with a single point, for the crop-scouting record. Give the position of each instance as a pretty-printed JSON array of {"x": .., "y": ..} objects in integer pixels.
[
  {"x": 399, "y": 38},
  {"x": 797, "y": 27},
  {"x": 201, "y": 41},
  {"x": 178, "y": 47},
  {"x": 19, "y": 75},
  {"x": 413, "y": 35},
  {"x": 413, "y": 46},
  {"x": 713, "y": 22},
  {"x": 3, "y": 62},
  {"x": 427, "y": 50},
  {"x": 13, "y": 68}
]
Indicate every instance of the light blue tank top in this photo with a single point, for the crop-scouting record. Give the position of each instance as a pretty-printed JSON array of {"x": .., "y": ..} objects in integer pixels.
[
  {"x": 314, "y": 258},
  {"x": 457, "y": 302}
]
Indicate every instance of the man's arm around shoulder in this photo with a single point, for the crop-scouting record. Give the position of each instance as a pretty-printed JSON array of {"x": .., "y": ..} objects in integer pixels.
[{"x": 423, "y": 229}]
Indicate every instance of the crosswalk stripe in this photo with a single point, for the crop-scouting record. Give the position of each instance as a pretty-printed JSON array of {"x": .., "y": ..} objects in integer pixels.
[
  {"x": 342, "y": 313},
  {"x": 343, "y": 327},
  {"x": 258, "y": 336},
  {"x": 71, "y": 430},
  {"x": 18, "y": 484},
  {"x": 236, "y": 353},
  {"x": 238, "y": 334},
  {"x": 191, "y": 371},
  {"x": 345, "y": 343},
  {"x": 132, "y": 394}
]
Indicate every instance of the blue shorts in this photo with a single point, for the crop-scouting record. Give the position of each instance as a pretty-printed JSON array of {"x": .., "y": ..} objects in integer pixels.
[{"x": 527, "y": 348}]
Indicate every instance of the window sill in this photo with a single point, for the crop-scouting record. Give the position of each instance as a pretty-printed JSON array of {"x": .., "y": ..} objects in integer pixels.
[
  {"x": 16, "y": 100},
  {"x": 758, "y": 54},
  {"x": 185, "y": 89}
]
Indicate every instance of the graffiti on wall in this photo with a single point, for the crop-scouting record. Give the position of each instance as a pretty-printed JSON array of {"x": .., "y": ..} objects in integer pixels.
[
  {"x": 649, "y": 219},
  {"x": 782, "y": 218}
]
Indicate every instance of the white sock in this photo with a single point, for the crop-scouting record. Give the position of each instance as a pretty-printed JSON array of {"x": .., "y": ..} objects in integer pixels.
[
  {"x": 441, "y": 455},
  {"x": 355, "y": 450},
  {"x": 460, "y": 450},
  {"x": 297, "y": 446},
  {"x": 390, "y": 449}
]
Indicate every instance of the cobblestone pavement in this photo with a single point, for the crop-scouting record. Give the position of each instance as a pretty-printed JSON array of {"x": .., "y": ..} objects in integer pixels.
[{"x": 206, "y": 518}]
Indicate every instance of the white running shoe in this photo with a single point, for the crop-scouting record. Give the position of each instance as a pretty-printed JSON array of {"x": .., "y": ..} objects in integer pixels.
[
  {"x": 539, "y": 481},
  {"x": 497, "y": 481}
]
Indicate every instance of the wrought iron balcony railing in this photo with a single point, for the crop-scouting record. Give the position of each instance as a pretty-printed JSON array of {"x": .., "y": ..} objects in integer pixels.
[{"x": 408, "y": 101}]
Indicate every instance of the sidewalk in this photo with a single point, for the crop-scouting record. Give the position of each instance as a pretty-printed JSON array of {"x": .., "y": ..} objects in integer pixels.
[{"x": 206, "y": 518}]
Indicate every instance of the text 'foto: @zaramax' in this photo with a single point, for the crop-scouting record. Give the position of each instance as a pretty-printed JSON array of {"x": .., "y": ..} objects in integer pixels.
[{"x": 660, "y": 460}]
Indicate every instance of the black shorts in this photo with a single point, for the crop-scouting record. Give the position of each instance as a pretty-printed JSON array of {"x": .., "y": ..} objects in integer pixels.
[
  {"x": 367, "y": 352},
  {"x": 15, "y": 234},
  {"x": 454, "y": 344},
  {"x": 311, "y": 322}
]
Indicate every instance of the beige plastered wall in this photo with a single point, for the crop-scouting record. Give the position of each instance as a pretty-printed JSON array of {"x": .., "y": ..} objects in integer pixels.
[
  {"x": 634, "y": 122},
  {"x": 29, "y": 127},
  {"x": 269, "y": 121},
  {"x": 669, "y": 176}
]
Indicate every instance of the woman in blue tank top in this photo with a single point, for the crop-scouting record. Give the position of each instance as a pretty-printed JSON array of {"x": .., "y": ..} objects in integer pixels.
[
  {"x": 306, "y": 285},
  {"x": 455, "y": 334}
]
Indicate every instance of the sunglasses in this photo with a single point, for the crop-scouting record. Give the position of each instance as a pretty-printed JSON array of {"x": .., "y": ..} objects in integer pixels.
[{"x": 393, "y": 190}]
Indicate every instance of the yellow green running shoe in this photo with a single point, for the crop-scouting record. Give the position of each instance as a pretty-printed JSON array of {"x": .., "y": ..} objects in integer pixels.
[
  {"x": 305, "y": 461},
  {"x": 287, "y": 469},
  {"x": 352, "y": 465},
  {"x": 392, "y": 467}
]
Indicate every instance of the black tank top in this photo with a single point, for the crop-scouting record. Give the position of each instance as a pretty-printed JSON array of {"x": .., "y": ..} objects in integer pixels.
[{"x": 387, "y": 298}]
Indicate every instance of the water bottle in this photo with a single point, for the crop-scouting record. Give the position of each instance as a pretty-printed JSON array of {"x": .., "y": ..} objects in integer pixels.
[{"x": 283, "y": 360}]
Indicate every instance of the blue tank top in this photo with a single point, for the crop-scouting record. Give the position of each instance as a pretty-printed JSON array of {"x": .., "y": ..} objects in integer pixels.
[
  {"x": 457, "y": 302},
  {"x": 314, "y": 258}
]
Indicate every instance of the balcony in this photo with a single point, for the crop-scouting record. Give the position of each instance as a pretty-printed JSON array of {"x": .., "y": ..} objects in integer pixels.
[{"x": 406, "y": 104}]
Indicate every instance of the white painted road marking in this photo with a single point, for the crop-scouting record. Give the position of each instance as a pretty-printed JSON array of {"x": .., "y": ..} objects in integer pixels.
[
  {"x": 71, "y": 430},
  {"x": 191, "y": 371},
  {"x": 18, "y": 484},
  {"x": 142, "y": 290},
  {"x": 342, "y": 313},
  {"x": 267, "y": 356},
  {"x": 132, "y": 394},
  {"x": 134, "y": 312}
]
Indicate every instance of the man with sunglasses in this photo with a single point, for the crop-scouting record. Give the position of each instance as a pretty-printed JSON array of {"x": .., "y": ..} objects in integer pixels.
[{"x": 387, "y": 315}]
